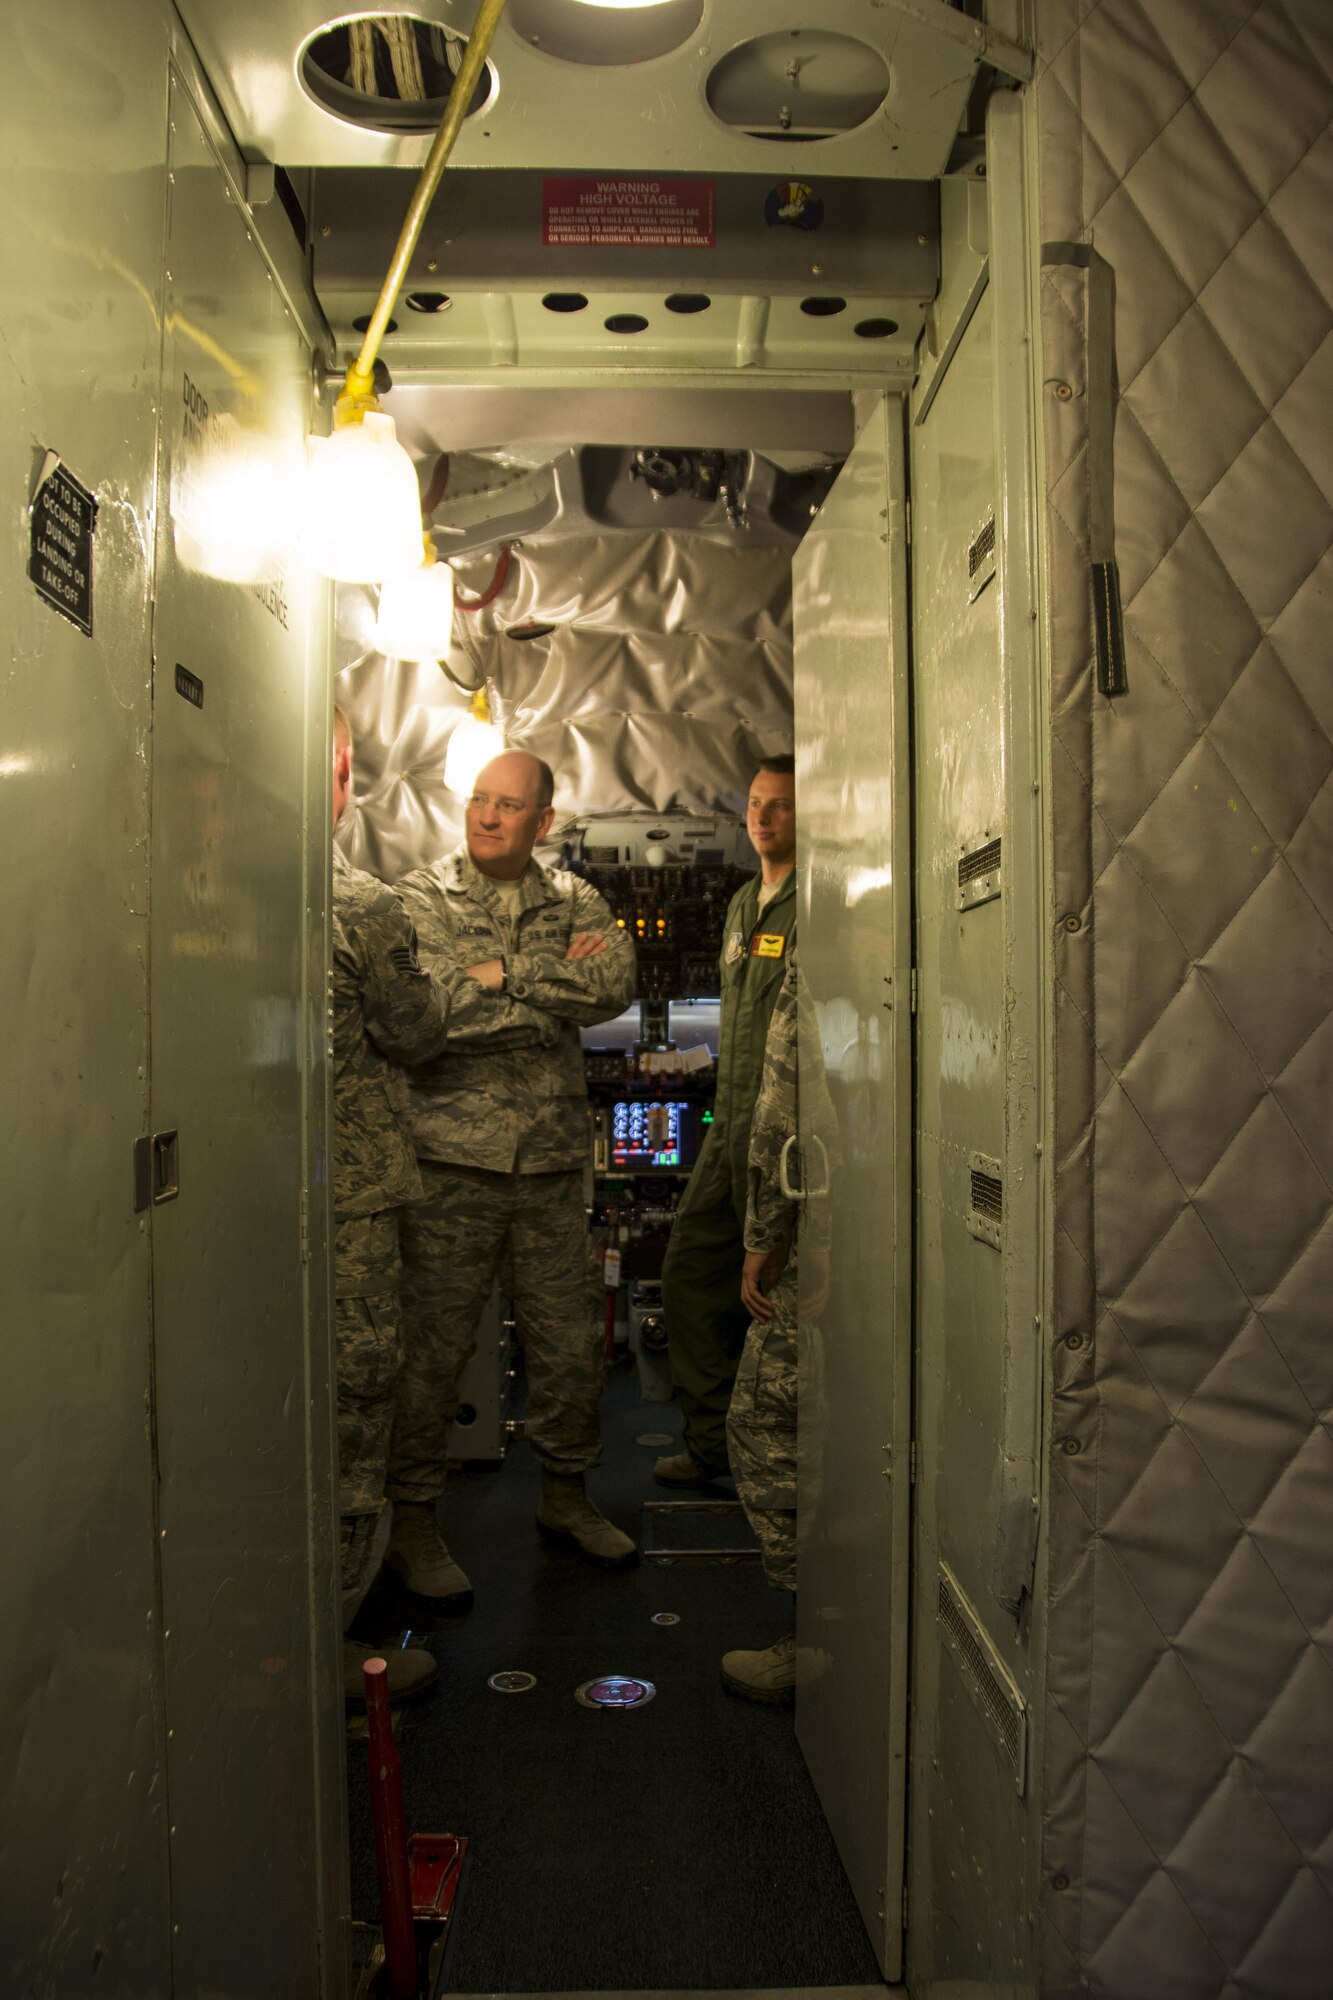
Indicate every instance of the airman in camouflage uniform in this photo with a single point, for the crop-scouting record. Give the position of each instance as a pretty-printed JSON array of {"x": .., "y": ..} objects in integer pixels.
[
  {"x": 385, "y": 1010},
  {"x": 762, "y": 1418},
  {"x": 498, "y": 1117}
]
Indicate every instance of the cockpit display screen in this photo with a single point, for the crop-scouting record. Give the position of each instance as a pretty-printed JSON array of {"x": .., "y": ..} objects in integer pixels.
[{"x": 653, "y": 1134}]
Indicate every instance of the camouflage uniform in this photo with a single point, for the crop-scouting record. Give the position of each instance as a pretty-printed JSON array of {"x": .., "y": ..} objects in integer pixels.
[
  {"x": 386, "y": 1010},
  {"x": 500, "y": 1125},
  {"x": 706, "y": 1322},
  {"x": 762, "y": 1419}
]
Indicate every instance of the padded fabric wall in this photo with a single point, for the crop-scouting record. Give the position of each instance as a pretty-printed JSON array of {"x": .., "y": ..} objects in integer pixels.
[
  {"x": 665, "y": 674},
  {"x": 1189, "y": 1847}
]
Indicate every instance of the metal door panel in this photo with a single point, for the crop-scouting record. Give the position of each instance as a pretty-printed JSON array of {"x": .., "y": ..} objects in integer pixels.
[
  {"x": 977, "y": 1634},
  {"x": 83, "y": 1839},
  {"x": 242, "y": 1399},
  {"x": 849, "y": 616}
]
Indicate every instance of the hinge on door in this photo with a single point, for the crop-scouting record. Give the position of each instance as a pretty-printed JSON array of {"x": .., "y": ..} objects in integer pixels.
[
  {"x": 912, "y": 990},
  {"x": 305, "y": 1227}
]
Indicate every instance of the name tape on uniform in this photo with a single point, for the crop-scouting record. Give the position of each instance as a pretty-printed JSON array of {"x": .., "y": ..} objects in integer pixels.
[{"x": 768, "y": 944}]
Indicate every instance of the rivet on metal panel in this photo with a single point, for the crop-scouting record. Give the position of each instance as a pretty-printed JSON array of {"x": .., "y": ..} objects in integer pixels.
[
  {"x": 1059, "y": 1881},
  {"x": 1073, "y": 923},
  {"x": 325, "y": 229},
  {"x": 1063, "y": 391},
  {"x": 1072, "y": 1447},
  {"x": 665, "y": 1618},
  {"x": 1073, "y": 1340}
]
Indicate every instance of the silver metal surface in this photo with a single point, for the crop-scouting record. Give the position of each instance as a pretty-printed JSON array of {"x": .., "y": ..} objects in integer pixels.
[
  {"x": 243, "y": 1412},
  {"x": 850, "y": 625},
  {"x": 481, "y": 1431},
  {"x": 804, "y": 425},
  {"x": 560, "y": 115},
  {"x": 615, "y": 1691},
  {"x": 83, "y": 1839},
  {"x": 766, "y": 296},
  {"x": 512, "y": 1681},
  {"x": 667, "y": 676},
  {"x": 978, "y": 1125}
]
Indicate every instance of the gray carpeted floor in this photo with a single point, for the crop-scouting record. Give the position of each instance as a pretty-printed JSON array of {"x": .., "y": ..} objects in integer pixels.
[{"x": 675, "y": 1846}]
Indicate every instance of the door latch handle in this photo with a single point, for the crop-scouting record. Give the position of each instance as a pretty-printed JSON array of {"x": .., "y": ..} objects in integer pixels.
[{"x": 156, "y": 1169}]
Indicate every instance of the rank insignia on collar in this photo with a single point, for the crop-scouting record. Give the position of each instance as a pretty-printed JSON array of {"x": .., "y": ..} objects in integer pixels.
[{"x": 735, "y": 947}]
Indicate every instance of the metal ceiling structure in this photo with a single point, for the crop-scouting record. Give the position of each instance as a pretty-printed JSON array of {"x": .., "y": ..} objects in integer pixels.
[{"x": 730, "y": 69}]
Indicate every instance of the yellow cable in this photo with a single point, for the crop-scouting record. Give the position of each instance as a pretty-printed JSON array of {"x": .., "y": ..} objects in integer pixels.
[{"x": 358, "y": 391}]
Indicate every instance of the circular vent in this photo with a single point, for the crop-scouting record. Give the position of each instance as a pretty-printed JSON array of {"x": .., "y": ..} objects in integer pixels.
[
  {"x": 603, "y": 34},
  {"x": 803, "y": 83},
  {"x": 388, "y": 72},
  {"x": 615, "y": 1691}
]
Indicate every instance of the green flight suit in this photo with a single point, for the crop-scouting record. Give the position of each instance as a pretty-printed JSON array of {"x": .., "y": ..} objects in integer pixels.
[{"x": 701, "y": 1278}]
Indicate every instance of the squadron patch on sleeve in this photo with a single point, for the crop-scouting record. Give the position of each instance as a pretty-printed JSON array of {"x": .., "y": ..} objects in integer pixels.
[{"x": 735, "y": 947}]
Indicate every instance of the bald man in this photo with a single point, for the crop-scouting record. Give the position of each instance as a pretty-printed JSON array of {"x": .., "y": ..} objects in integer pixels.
[{"x": 501, "y": 1139}]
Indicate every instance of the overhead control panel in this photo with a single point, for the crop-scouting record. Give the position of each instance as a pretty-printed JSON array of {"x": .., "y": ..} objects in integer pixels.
[{"x": 675, "y": 916}]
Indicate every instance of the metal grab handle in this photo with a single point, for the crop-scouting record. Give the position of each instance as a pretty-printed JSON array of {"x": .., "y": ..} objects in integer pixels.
[
  {"x": 816, "y": 1193},
  {"x": 789, "y": 1192}
]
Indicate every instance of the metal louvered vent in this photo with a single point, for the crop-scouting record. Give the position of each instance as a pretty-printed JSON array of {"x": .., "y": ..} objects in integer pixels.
[
  {"x": 980, "y": 560},
  {"x": 979, "y": 872},
  {"x": 987, "y": 1195},
  {"x": 1000, "y": 1704},
  {"x": 979, "y": 862},
  {"x": 985, "y": 1202},
  {"x": 981, "y": 547}
]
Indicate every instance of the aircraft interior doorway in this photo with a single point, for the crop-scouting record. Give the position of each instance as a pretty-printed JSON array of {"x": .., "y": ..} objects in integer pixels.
[
  {"x": 702, "y": 1843},
  {"x": 619, "y": 634}
]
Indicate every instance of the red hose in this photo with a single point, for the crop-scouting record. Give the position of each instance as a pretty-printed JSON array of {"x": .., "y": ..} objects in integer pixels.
[
  {"x": 493, "y": 588},
  {"x": 439, "y": 481},
  {"x": 391, "y": 1864}
]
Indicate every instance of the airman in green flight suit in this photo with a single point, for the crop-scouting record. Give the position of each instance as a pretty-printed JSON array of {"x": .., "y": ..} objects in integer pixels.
[{"x": 701, "y": 1278}]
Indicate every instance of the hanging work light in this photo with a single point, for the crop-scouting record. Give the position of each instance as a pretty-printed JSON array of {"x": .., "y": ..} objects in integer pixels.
[
  {"x": 416, "y": 615},
  {"x": 475, "y": 740},
  {"x": 363, "y": 511}
]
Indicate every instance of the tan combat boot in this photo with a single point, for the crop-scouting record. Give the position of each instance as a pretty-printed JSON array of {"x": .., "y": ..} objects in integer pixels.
[
  {"x": 768, "y": 1676},
  {"x": 417, "y": 1555},
  {"x": 411, "y": 1671},
  {"x": 683, "y": 1469},
  {"x": 566, "y": 1514}
]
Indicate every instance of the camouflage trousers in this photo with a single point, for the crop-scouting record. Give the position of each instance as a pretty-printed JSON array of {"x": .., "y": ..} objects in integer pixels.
[
  {"x": 454, "y": 1242},
  {"x": 365, "y": 1264},
  {"x": 761, "y": 1432}
]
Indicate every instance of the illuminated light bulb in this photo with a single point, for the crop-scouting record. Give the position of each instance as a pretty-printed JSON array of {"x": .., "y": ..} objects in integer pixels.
[
  {"x": 415, "y": 620},
  {"x": 363, "y": 511},
  {"x": 231, "y": 506},
  {"x": 474, "y": 741}
]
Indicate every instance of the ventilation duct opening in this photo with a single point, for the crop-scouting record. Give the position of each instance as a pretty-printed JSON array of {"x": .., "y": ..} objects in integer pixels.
[
  {"x": 388, "y": 72},
  {"x": 979, "y": 872},
  {"x": 985, "y": 1198},
  {"x": 997, "y": 1700}
]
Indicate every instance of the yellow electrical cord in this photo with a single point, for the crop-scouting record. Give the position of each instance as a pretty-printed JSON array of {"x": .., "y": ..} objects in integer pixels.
[{"x": 358, "y": 390}]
